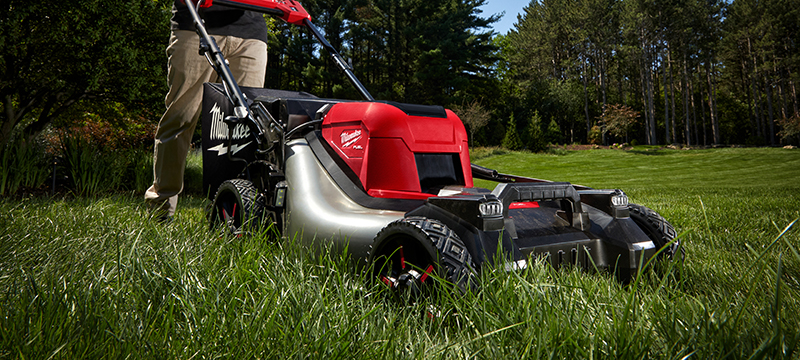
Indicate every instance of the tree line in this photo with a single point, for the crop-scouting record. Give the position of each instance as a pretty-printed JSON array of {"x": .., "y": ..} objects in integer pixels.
[
  {"x": 693, "y": 71},
  {"x": 696, "y": 72}
]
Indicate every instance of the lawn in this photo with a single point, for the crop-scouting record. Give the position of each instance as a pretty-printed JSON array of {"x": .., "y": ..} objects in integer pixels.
[{"x": 94, "y": 278}]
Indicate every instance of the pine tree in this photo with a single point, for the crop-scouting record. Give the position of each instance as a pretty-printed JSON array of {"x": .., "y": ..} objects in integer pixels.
[
  {"x": 512, "y": 141},
  {"x": 553, "y": 133},
  {"x": 536, "y": 141}
]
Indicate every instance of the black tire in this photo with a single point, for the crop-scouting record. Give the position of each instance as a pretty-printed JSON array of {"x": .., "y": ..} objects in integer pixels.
[
  {"x": 659, "y": 230},
  {"x": 235, "y": 207},
  {"x": 406, "y": 252}
]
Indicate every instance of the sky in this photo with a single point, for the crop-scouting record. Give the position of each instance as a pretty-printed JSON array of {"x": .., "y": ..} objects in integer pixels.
[{"x": 511, "y": 7}]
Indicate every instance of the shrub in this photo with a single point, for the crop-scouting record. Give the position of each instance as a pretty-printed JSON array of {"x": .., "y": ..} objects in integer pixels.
[
  {"x": 619, "y": 119},
  {"x": 474, "y": 116},
  {"x": 23, "y": 165},
  {"x": 141, "y": 169},
  {"x": 91, "y": 169},
  {"x": 101, "y": 156},
  {"x": 595, "y": 135},
  {"x": 536, "y": 141},
  {"x": 790, "y": 128},
  {"x": 512, "y": 141},
  {"x": 755, "y": 140},
  {"x": 553, "y": 133}
]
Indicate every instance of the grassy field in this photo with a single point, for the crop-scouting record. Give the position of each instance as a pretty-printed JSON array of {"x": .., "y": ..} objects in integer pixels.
[{"x": 94, "y": 278}]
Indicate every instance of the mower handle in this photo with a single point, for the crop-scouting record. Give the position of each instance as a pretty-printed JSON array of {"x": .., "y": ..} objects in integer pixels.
[
  {"x": 289, "y": 10},
  {"x": 210, "y": 49}
]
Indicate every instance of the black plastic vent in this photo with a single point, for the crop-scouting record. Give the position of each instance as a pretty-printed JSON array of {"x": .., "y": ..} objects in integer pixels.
[{"x": 438, "y": 170}]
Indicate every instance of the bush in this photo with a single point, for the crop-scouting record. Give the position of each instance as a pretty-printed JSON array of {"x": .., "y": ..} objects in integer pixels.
[
  {"x": 91, "y": 169},
  {"x": 790, "y": 128},
  {"x": 193, "y": 175},
  {"x": 536, "y": 141},
  {"x": 619, "y": 119},
  {"x": 141, "y": 170},
  {"x": 23, "y": 166},
  {"x": 478, "y": 153},
  {"x": 474, "y": 116},
  {"x": 553, "y": 133},
  {"x": 595, "y": 135},
  {"x": 101, "y": 156},
  {"x": 512, "y": 141}
]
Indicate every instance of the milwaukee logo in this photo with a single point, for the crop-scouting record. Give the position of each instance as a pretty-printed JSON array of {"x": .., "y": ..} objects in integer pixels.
[
  {"x": 350, "y": 138},
  {"x": 219, "y": 129}
]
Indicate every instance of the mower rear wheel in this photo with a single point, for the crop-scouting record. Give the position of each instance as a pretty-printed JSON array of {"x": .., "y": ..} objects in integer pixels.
[
  {"x": 408, "y": 254},
  {"x": 235, "y": 207},
  {"x": 659, "y": 230}
]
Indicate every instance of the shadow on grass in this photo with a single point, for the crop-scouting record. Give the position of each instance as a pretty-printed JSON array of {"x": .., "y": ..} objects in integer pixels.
[{"x": 649, "y": 152}]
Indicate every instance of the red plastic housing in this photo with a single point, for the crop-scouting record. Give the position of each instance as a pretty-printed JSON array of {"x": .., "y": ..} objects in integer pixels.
[
  {"x": 378, "y": 141},
  {"x": 289, "y": 10}
]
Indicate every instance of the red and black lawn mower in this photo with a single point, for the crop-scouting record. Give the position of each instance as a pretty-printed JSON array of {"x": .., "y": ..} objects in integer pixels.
[{"x": 392, "y": 184}]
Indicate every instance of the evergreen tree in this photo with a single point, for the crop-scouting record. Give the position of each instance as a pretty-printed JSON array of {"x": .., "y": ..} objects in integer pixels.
[
  {"x": 553, "y": 133},
  {"x": 512, "y": 141},
  {"x": 536, "y": 140}
]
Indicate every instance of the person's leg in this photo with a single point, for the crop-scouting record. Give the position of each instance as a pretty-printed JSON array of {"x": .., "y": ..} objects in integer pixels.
[
  {"x": 248, "y": 61},
  {"x": 187, "y": 71}
]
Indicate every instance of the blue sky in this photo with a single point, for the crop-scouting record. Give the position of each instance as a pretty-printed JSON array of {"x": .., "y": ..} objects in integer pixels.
[{"x": 511, "y": 7}]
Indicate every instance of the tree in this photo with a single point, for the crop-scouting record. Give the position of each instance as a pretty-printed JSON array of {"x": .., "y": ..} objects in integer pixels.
[
  {"x": 512, "y": 141},
  {"x": 428, "y": 52},
  {"x": 790, "y": 128},
  {"x": 536, "y": 141},
  {"x": 619, "y": 119},
  {"x": 474, "y": 116},
  {"x": 55, "y": 54},
  {"x": 553, "y": 133}
]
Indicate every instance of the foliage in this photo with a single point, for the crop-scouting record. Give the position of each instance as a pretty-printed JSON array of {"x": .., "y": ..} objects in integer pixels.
[
  {"x": 619, "y": 119},
  {"x": 553, "y": 133},
  {"x": 94, "y": 157},
  {"x": 106, "y": 132},
  {"x": 474, "y": 116},
  {"x": 411, "y": 51},
  {"x": 595, "y": 135},
  {"x": 54, "y": 55},
  {"x": 23, "y": 166},
  {"x": 100, "y": 156},
  {"x": 92, "y": 171},
  {"x": 698, "y": 72},
  {"x": 484, "y": 152},
  {"x": 536, "y": 140},
  {"x": 790, "y": 128},
  {"x": 512, "y": 140}
]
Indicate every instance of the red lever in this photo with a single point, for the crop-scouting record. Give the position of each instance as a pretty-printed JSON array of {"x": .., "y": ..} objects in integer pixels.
[
  {"x": 289, "y": 10},
  {"x": 203, "y": 3}
]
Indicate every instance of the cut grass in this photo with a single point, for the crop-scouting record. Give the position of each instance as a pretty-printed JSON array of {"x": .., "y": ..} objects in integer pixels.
[{"x": 86, "y": 278}]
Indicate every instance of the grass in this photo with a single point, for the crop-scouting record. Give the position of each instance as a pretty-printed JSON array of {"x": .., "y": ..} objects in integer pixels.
[{"x": 94, "y": 278}]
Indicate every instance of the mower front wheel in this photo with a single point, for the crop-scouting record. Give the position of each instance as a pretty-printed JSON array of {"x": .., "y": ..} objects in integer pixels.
[
  {"x": 235, "y": 207},
  {"x": 409, "y": 254},
  {"x": 659, "y": 230}
]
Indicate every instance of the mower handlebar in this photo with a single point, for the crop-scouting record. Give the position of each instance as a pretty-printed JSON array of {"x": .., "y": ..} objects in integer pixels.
[
  {"x": 292, "y": 12},
  {"x": 289, "y": 10}
]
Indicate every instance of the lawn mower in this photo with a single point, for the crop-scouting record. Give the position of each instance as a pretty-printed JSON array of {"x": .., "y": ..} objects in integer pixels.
[{"x": 392, "y": 184}]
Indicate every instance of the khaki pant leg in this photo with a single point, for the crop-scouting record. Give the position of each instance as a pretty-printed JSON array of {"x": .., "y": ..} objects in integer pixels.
[
  {"x": 248, "y": 61},
  {"x": 187, "y": 71}
]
